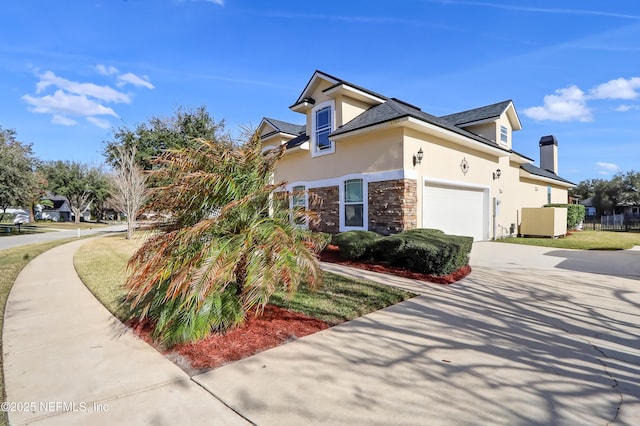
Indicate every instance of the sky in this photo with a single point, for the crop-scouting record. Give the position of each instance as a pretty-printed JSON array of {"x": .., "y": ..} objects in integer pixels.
[{"x": 73, "y": 71}]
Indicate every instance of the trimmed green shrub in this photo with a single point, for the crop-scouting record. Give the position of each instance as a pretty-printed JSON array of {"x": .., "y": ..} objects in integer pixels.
[
  {"x": 355, "y": 244},
  {"x": 575, "y": 213},
  {"x": 424, "y": 231},
  {"x": 424, "y": 251}
]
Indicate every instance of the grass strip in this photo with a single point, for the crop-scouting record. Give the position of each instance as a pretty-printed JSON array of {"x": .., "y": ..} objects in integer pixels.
[
  {"x": 101, "y": 265},
  {"x": 584, "y": 240}
]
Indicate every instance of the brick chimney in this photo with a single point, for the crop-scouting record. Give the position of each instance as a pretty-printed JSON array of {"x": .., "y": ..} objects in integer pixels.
[{"x": 549, "y": 154}]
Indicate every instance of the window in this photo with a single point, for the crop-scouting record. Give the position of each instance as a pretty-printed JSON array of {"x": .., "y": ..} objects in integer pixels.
[
  {"x": 299, "y": 203},
  {"x": 323, "y": 128},
  {"x": 549, "y": 194},
  {"x": 353, "y": 203},
  {"x": 504, "y": 135},
  {"x": 322, "y": 123}
]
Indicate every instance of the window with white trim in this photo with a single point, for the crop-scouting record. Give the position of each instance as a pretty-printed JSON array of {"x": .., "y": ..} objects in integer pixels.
[
  {"x": 299, "y": 203},
  {"x": 353, "y": 203},
  {"x": 322, "y": 123},
  {"x": 549, "y": 194},
  {"x": 504, "y": 135}
]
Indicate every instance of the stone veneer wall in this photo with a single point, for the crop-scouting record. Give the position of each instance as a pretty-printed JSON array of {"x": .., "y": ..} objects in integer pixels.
[
  {"x": 393, "y": 206},
  {"x": 325, "y": 202}
]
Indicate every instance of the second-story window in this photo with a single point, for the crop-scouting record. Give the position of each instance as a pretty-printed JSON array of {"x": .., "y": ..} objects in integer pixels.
[
  {"x": 323, "y": 128},
  {"x": 322, "y": 124}
]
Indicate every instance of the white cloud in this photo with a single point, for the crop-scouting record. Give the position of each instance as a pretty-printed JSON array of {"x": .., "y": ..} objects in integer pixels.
[
  {"x": 65, "y": 99},
  {"x": 625, "y": 108},
  {"x": 131, "y": 78},
  {"x": 102, "y": 123},
  {"x": 617, "y": 89},
  {"x": 607, "y": 168},
  {"x": 59, "y": 119},
  {"x": 62, "y": 103},
  {"x": 568, "y": 104},
  {"x": 218, "y": 2},
  {"x": 106, "y": 70},
  {"x": 104, "y": 93}
]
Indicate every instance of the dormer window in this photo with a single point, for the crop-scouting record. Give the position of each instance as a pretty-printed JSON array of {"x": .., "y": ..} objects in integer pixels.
[
  {"x": 322, "y": 122},
  {"x": 504, "y": 135}
]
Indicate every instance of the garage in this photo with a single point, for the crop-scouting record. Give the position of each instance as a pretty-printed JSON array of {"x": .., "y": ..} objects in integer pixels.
[{"x": 456, "y": 210}]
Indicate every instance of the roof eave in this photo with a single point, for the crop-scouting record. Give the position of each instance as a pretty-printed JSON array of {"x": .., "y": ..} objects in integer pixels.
[
  {"x": 302, "y": 147},
  {"x": 422, "y": 126},
  {"x": 352, "y": 92},
  {"x": 519, "y": 158},
  {"x": 526, "y": 174}
]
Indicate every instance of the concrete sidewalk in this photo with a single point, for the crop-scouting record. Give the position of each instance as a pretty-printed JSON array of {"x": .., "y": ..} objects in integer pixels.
[
  {"x": 75, "y": 364},
  {"x": 508, "y": 345}
]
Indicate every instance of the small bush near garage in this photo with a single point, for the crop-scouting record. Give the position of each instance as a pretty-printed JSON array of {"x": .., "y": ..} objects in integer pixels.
[
  {"x": 355, "y": 245},
  {"x": 424, "y": 251},
  {"x": 575, "y": 213}
]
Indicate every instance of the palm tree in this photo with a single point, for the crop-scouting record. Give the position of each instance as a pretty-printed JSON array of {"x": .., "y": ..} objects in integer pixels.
[{"x": 229, "y": 244}]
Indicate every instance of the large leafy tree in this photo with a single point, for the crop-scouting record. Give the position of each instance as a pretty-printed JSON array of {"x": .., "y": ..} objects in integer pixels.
[
  {"x": 17, "y": 163},
  {"x": 229, "y": 244},
  {"x": 78, "y": 182},
  {"x": 583, "y": 190},
  {"x": 150, "y": 140}
]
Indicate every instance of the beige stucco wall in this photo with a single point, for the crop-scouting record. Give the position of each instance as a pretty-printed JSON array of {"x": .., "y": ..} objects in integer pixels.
[
  {"x": 348, "y": 108},
  {"x": 370, "y": 153},
  {"x": 442, "y": 161}
]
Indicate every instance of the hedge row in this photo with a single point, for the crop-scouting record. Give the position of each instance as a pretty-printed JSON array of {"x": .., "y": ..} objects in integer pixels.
[{"x": 421, "y": 250}]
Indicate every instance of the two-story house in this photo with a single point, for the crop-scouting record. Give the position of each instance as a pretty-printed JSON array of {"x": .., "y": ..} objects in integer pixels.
[{"x": 365, "y": 161}]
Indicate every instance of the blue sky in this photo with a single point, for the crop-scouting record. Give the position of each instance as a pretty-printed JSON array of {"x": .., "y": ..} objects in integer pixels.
[{"x": 72, "y": 70}]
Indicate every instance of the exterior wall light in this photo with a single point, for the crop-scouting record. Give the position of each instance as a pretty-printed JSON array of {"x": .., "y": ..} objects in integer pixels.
[
  {"x": 417, "y": 157},
  {"x": 496, "y": 174}
]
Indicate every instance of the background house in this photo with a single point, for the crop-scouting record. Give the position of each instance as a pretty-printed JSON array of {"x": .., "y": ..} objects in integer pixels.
[
  {"x": 366, "y": 161},
  {"x": 60, "y": 212}
]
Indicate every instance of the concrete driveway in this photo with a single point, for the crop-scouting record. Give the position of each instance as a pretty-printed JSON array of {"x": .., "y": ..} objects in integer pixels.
[
  {"x": 532, "y": 336},
  {"x": 528, "y": 338}
]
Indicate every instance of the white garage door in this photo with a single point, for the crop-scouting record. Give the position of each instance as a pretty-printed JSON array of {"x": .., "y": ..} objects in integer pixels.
[{"x": 455, "y": 210}]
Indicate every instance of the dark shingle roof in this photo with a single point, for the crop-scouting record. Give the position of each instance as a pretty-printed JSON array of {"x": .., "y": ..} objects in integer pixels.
[
  {"x": 477, "y": 114},
  {"x": 284, "y": 127},
  {"x": 393, "y": 109},
  {"x": 297, "y": 141},
  {"x": 544, "y": 173}
]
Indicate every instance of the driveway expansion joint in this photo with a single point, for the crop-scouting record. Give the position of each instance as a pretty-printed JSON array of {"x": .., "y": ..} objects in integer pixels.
[
  {"x": 615, "y": 381},
  {"x": 242, "y": 416}
]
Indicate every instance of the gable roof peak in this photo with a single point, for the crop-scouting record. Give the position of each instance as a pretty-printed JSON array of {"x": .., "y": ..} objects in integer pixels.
[
  {"x": 487, "y": 112},
  {"x": 284, "y": 126}
]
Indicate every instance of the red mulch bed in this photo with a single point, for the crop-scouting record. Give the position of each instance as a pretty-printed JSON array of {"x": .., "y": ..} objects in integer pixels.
[
  {"x": 275, "y": 327},
  {"x": 332, "y": 254}
]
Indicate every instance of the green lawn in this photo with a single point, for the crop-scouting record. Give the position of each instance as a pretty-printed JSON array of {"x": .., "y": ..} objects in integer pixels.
[
  {"x": 11, "y": 263},
  {"x": 584, "y": 240},
  {"x": 101, "y": 266}
]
